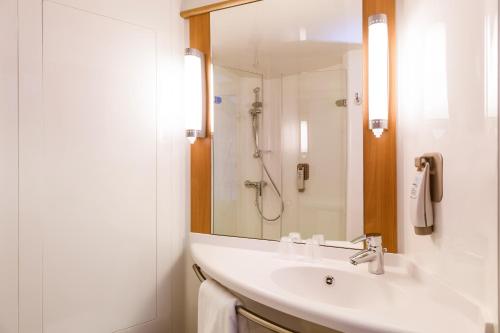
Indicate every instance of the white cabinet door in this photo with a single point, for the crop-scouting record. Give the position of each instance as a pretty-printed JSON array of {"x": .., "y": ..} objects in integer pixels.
[{"x": 8, "y": 168}]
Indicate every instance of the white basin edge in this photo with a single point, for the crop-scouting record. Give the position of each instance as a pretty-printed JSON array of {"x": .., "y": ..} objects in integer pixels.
[{"x": 255, "y": 284}]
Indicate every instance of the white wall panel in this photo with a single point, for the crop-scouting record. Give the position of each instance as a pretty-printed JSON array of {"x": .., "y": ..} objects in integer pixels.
[
  {"x": 102, "y": 166},
  {"x": 30, "y": 160},
  {"x": 8, "y": 168}
]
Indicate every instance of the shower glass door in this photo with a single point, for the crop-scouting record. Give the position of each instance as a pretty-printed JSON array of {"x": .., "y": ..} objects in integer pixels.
[
  {"x": 234, "y": 211},
  {"x": 314, "y": 133}
]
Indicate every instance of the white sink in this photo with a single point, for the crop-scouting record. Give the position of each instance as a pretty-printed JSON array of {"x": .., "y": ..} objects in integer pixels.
[
  {"x": 404, "y": 299},
  {"x": 348, "y": 290}
]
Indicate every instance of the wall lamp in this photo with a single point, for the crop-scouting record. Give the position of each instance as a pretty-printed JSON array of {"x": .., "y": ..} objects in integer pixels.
[
  {"x": 304, "y": 138},
  {"x": 194, "y": 94},
  {"x": 378, "y": 74}
]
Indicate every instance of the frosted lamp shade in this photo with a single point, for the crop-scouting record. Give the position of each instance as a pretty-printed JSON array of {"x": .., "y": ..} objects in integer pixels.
[
  {"x": 194, "y": 94},
  {"x": 378, "y": 73}
]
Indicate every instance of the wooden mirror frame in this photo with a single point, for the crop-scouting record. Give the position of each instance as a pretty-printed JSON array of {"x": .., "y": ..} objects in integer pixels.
[{"x": 379, "y": 155}]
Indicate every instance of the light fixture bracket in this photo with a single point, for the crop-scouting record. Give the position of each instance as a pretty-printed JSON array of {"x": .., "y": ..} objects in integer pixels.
[
  {"x": 377, "y": 18},
  {"x": 378, "y": 124}
]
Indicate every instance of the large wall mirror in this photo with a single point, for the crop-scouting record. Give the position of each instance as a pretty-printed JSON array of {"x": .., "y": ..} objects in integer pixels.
[
  {"x": 286, "y": 120},
  {"x": 289, "y": 141}
]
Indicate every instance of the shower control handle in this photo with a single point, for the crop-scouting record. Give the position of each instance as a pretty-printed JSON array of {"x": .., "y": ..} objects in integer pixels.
[{"x": 258, "y": 186}]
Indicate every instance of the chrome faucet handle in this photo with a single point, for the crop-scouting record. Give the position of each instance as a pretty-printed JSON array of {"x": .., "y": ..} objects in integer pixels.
[
  {"x": 373, "y": 253},
  {"x": 372, "y": 240},
  {"x": 359, "y": 239},
  {"x": 366, "y": 237}
]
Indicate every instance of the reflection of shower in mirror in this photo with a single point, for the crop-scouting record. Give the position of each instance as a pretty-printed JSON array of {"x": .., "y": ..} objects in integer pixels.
[
  {"x": 288, "y": 143},
  {"x": 255, "y": 112}
]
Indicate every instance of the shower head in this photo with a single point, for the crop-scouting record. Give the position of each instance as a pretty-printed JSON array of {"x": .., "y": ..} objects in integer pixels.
[{"x": 256, "y": 105}]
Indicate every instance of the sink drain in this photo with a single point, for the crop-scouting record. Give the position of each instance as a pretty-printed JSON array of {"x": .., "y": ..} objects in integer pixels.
[{"x": 330, "y": 280}]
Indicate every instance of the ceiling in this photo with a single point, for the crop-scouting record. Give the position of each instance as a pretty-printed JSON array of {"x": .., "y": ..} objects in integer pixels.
[{"x": 275, "y": 37}]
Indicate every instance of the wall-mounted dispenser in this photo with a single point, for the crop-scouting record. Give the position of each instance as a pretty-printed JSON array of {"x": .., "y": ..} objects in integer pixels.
[
  {"x": 302, "y": 176},
  {"x": 426, "y": 188}
]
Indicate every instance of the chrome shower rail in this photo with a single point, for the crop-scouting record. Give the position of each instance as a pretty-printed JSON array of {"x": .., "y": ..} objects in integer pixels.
[{"x": 250, "y": 315}]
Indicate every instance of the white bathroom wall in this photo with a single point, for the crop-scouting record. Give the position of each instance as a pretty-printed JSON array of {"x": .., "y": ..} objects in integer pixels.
[
  {"x": 290, "y": 131},
  {"x": 102, "y": 166},
  {"x": 8, "y": 168},
  {"x": 447, "y": 93},
  {"x": 189, "y": 4},
  {"x": 353, "y": 62}
]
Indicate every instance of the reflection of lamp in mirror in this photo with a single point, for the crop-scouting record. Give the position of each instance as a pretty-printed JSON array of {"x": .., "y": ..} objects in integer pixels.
[
  {"x": 194, "y": 94},
  {"x": 304, "y": 142},
  {"x": 378, "y": 74},
  {"x": 302, "y": 34}
]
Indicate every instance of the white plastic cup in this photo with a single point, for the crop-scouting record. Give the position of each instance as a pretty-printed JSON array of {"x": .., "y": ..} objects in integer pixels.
[
  {"x": 320, "y": 238},
  {"x": 316, "y": 250},
  {"x": 309, "y": 249},
  {"x": 295, "y": 236},
  {"x": 285, "y": 247}
]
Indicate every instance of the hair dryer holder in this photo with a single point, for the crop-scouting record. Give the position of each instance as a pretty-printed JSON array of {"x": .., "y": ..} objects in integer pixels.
[{"x": 435, "y": 161}]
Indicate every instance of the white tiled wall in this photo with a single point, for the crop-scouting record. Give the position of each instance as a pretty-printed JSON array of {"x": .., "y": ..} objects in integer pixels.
[{"x": 447, "y": 98}]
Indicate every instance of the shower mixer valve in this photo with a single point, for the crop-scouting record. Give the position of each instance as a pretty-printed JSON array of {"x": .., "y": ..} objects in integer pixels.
[{"x": 258, "y": 186}]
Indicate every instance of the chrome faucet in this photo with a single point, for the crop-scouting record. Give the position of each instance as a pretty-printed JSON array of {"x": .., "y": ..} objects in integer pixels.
[{"x": 373, "y": 254}]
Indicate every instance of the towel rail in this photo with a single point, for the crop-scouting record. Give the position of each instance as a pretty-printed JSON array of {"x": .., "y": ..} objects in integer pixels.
[{"x": 250, "y": 315}]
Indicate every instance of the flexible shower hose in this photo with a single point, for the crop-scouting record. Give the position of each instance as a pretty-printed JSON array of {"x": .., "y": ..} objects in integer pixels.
[
  {"x": 259, "y": 209},
  {"x": 258, "y": 154}
]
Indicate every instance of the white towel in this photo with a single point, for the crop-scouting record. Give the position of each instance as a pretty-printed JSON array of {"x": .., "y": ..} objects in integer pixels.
[{"x": 217, "y": 310}]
